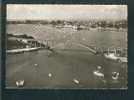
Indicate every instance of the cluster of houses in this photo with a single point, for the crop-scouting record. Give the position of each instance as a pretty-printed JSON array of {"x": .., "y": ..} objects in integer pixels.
[
  {"x": 91, "y": 25},
  {"x": 74, "y": 26}
]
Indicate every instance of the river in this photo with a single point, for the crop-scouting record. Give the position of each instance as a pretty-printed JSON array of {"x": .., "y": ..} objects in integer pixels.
[{"x": 66, "y": 65}]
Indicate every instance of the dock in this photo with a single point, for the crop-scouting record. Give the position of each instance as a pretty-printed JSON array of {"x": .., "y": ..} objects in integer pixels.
[{"x": 21, "y": 50}]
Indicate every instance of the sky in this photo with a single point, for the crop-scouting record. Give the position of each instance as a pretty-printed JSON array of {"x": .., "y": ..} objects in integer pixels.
[{"x": 65, "y": 12}]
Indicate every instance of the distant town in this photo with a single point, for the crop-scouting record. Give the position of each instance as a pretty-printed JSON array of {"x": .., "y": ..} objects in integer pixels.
[{"x": 81, "y": 24}]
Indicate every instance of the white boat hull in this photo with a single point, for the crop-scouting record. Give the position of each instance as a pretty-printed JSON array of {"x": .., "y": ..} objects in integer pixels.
[{"x": 99, "y": 74}]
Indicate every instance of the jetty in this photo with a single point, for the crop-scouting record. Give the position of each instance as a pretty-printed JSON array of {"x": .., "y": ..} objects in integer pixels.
[{"x": 21, "y": 50}]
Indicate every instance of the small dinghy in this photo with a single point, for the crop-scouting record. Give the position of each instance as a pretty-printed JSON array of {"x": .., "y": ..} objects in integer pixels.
[
  {"x": 49, "y": 75},
  {"x": 76, "y": 81},
  {"x": 20, "y": 83},
  {"x": 99, "y": 67},
  {"x": 98, "y": 73},
  {"x": 115, "y": 75},
  {"x": 35, "y": 64}
]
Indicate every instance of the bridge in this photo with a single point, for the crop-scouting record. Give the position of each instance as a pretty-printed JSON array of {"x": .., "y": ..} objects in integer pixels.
[{"x": 63, "y": 45}]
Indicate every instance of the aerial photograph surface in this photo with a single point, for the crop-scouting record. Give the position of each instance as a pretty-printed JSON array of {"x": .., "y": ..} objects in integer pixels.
[{"x": 66, "y": 46}]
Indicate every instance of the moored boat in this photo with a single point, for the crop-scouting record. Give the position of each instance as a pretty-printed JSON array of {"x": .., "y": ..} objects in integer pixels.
[{"x": 113, "y": 55}]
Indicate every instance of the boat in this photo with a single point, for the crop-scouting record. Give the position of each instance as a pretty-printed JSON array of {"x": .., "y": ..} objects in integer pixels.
[
  {"x": 116, "y": 58},
  {"x": 98, "y": 73},
  {"x": 115, "y": 75},
  {"x": 112, "y": 55},
  {"x": 20, "y": 83}
]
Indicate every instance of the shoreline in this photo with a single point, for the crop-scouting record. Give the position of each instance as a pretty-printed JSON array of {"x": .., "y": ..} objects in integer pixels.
[
  {"x": 13, "y": 51},
  {"x": 89, "y": 28}
]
